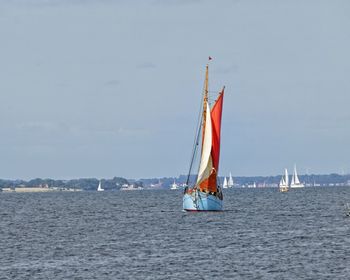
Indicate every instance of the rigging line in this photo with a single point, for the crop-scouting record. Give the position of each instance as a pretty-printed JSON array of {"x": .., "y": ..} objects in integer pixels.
[
  {"x": 193, "y": 157},
  {"x": 197, "y": 135},
  {"x": 218, "y": 178},
  {"x": 196, "y": 143}
]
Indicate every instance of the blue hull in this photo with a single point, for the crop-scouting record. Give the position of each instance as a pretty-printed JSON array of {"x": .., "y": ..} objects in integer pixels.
[{"x": 204, "y": 202}]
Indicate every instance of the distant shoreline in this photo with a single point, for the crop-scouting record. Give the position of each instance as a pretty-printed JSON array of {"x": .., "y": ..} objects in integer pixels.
[
  {"x": 120, "y": 183},
  {"x": 37, "y": 190}
]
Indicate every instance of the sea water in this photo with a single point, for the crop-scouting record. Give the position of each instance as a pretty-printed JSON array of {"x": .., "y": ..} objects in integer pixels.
[{"x": 262, "y": 234}]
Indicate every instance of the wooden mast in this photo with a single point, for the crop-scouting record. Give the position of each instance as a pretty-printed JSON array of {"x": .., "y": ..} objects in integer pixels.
[{"x": 205, "y": 101}]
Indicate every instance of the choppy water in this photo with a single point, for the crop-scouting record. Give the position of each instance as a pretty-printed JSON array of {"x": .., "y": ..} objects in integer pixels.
[{"x": 263, "y": 234}]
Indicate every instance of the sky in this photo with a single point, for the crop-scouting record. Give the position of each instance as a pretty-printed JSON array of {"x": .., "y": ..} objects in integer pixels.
[{"x": 102, "y": 88}]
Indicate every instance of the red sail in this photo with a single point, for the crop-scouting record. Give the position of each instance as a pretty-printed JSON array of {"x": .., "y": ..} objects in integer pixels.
[
  {"x": 216, "y": 113},
  {"x": 210, "y": 184}
]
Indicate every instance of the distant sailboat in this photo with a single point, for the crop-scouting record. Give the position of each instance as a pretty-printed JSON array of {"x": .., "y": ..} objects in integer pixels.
[
  {"x": 99, "y": 188},
  {"x": 295, "y": 183},
  {"x": 283, "y": 186},
  {"x": 230, "y": 181},
  {"x": 174, "y": 186},
  {"x": 253, "y": 186},
  {"x": 205, "y": 194},
  {"x": 225, "y": 184}
]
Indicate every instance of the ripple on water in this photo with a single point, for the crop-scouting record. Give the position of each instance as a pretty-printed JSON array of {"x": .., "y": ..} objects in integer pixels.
[{"x": 262, "y": 234}]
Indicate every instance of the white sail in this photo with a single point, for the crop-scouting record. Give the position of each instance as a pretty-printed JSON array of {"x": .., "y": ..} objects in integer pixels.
[
  {"x": 230, "y": 181},
  {"x": 205, "y": 166},
  {"x": 286, "y": 177},
  {"x": 174, "y": 186},
  {"x": 282, "y": 182},
  {"x": 283, "y": 186},
  {"x": 295, "y": 180},
  {"x": 99, "y": 188},
  {"x": 225, "y": 185}
]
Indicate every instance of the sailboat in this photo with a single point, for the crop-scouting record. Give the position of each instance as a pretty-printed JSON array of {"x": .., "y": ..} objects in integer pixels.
[
  {"x": 174, "y": 186},
  {"x": 205, "y": 194},
  {"x": 283, "y": 186},
  {"x": 295, "y": 183},
  {"x": 225, "y": 184},
  {"x": 230, "y": 181},
  {"x": 99, "y": 188}
]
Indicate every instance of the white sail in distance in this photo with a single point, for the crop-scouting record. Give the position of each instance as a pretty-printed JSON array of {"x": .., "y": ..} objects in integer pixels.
[
  {"x": 230, "y": 181},
  {"x": 286, "y": 177},
  {"x": 225, "y": 185},
  {"x": 283, "y": 186},
  {"x": 295, "y": 180},
  {"x": 99, "y": 188}
]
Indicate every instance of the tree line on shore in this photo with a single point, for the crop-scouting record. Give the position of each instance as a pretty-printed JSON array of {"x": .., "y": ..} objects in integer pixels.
[
  {"x": 83, "y": 183},
  {"x": 117, "y": 182}
]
